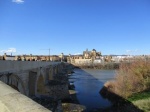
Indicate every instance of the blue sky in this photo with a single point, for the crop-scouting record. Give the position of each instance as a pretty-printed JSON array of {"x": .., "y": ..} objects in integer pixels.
[{"x": 71, "y": 26}]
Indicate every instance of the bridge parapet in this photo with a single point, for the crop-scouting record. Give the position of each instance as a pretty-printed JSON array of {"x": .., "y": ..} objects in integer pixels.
[
  {"x": 13, "y": 101},
  {"x": 12, "y": 66}
]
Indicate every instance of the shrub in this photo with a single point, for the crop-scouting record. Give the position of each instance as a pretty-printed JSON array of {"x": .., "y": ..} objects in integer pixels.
[{"x": 131, "y": 78}]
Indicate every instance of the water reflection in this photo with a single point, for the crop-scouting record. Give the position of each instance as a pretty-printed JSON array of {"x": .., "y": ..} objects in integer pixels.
[{"x": 88, "y": 83}]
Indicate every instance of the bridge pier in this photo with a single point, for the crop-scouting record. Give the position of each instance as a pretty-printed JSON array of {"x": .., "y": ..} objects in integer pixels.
[{"x": 37, "y": 79}]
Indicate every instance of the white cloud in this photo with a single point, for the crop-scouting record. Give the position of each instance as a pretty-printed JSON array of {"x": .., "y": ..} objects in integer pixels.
[
  {"x": 18, "y": 1},
  {"x": 10, "y": 50}
]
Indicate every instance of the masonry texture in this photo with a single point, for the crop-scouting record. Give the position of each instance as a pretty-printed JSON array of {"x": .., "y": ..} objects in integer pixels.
[
  {"x": 33, "y": 79},
  {"x": 13, "y": 101}
]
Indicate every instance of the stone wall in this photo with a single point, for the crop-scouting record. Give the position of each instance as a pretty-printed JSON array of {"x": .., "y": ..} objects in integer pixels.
[
  {"x": 36, "y": 79},
  {"x": 13, "y": 101},
  {"x": 11, "y": 66}
]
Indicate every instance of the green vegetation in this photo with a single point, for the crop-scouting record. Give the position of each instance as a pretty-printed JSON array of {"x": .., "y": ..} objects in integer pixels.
[
  {"x": 131, "y": 78},
  {"x": 132, "y": 82},
  {"x": 143, "y": 104},
  {"x": 141, "y": 100},
  {"x": 139, "y": 96},
  {"x": 106, "y": 66}
]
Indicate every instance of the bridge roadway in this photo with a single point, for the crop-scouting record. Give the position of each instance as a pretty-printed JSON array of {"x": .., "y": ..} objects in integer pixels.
[{"x": 29, "y": 78}]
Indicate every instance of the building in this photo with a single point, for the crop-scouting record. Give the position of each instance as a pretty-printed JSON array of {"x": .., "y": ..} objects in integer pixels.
[
  {"x": 87, "y": 57},
  {"x": 91, "y": 54},
  {"x": 9, "y": 57},
  {"x": 1, "y": 57},
  {"x": 31, "y": 57}
]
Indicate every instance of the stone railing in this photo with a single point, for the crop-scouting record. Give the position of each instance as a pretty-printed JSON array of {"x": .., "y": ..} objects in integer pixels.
[{"x": 13, "y": 101}]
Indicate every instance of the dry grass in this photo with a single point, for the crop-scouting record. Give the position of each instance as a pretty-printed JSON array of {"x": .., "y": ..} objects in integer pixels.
[
  {"x": 131, "y": 78},
  {"x": 143, "y": 104}
]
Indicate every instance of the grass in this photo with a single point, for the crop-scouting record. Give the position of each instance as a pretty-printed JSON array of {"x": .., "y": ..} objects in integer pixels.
[
  {"x": 131, "y": 82},
  {"x": 141, "y": 100},
  {"x": 139, "y": 96},
  {"x": 143, "y": 104}
]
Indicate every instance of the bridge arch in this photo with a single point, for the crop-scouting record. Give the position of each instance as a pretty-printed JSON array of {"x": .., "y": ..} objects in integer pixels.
[
  {"x": 4, "y": 78},
  {"x": 14, "y": 81}
]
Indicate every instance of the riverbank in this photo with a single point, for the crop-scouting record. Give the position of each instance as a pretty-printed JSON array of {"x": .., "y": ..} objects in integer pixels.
[
  {"x": 120, "y": 104},
  {"x": 103, "y": 66},
  {"x": 141, "y": 100},
  {"x": 131, "y": 87}
]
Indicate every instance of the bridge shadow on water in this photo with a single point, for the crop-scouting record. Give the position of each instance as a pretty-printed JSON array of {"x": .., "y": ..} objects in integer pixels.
[{"x": 91, "y": 92}]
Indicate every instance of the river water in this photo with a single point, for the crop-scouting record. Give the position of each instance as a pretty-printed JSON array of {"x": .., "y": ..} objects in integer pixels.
[{"x": 88, "y": 83}]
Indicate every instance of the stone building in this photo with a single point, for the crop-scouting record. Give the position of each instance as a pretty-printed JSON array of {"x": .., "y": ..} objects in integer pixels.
[
  {"x": 87, "y": 57},
  {"x": 87, "y": 54},
  {"x": 31, "y": 57},
  {"x": 91, "y": 54},
  {"x": 1, "y": 57},
  {"x": 8, "y": 57}
]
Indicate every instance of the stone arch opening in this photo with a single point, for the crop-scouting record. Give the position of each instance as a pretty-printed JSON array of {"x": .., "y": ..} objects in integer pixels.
[
  {"x": 4, "y": 78},
  {"x": 14, "y": 87},
  {"x": 40, "y": 85},
  {"x": 15, "y": 82}
]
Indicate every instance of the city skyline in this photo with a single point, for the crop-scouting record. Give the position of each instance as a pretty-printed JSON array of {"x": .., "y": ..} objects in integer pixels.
[{"x": 70, "y": 27}]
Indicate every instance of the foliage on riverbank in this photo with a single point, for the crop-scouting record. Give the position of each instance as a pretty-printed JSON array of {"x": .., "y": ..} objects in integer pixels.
[
  {"x": 141, "y": 100},
  {"x": 131, "y": 78},
  {"x": 143, "y": 104},
  {"x": 120, "y": 104},
  {"x": 139, "y": 96},
  {"x": 106, "y": 66}
]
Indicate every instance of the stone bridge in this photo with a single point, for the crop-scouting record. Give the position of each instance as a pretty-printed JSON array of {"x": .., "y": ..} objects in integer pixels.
[
  {"x": 29, "y": 77},
  {"x": 35, "y": 78}
]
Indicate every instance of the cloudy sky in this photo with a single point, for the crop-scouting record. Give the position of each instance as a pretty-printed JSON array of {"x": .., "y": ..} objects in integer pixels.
[{"x": 71, "y": 26}]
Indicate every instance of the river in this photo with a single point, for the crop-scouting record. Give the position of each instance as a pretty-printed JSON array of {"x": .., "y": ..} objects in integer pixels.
[{"x": 88, "y": 83}]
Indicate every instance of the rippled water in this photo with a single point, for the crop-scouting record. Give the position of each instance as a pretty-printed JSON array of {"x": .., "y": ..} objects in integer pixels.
[{"x": 88, "y": 83}]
